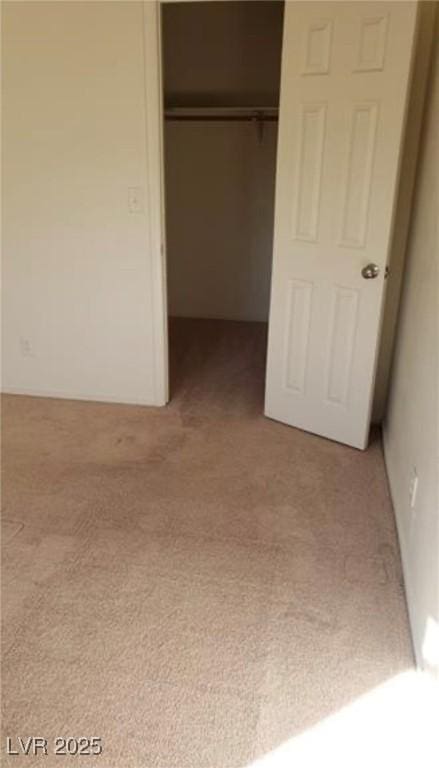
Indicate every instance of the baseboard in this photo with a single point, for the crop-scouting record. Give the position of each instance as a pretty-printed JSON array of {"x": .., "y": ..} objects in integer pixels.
[
  {"x": 83, "y": 396},
  {"x": 408, "y": 582}
]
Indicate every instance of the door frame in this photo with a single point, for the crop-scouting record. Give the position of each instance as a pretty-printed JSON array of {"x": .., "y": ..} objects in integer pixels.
[
  {"x": 155, "y": 196},
  {"x": 155, "y": 176},
  {"x": 155, "y": 193}
]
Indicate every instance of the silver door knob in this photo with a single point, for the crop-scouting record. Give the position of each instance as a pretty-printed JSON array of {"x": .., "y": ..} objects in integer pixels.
[{"x": 370, "y": 271}]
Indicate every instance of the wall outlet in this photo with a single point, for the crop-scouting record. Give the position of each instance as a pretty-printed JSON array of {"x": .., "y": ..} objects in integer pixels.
[
  {"x": 135, "y": 200},
  {"x": 26, "y": 347},
  {"x": 413, "y": 488}
]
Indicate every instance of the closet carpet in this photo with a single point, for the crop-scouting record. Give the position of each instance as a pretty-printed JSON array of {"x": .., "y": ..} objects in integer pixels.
[{"x": 195, "y": 585}]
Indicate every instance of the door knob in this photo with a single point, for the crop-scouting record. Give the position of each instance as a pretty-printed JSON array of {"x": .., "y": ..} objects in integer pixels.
[{"x": 370, "y": 271}]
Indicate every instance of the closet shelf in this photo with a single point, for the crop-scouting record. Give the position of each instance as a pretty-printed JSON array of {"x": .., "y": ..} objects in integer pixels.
[{"x": 260, "y": 114}]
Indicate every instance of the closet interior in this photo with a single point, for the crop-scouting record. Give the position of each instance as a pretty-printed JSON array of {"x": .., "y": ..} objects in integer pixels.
[{"x": 221, "y": 74}]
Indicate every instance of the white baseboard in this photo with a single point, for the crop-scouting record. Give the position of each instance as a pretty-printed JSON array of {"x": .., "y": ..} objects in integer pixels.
[
  {"x": 95, "y": 397},
  {"x": 415, "y": 620}
]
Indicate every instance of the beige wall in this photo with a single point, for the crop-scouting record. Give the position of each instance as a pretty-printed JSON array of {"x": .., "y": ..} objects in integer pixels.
[
  {"x": 411, "y": 426},
  {"x": 220, "y": 176},
  {"x": 409, "y": 157},
  {"x": 77, "y": 305}
]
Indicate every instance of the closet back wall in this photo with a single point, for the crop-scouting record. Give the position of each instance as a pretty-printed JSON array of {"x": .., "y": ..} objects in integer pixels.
[{"x": 220, "y": 175}]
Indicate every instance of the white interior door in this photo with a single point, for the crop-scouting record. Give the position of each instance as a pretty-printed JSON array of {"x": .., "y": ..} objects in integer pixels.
[{"x": 345, "y": 74}]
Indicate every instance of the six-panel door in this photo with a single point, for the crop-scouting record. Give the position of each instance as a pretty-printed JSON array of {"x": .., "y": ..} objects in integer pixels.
[{"x": 345, "y": 74}]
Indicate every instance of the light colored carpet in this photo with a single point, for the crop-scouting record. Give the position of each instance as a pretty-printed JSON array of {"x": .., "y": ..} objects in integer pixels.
[{"x": 195, "y": 584}]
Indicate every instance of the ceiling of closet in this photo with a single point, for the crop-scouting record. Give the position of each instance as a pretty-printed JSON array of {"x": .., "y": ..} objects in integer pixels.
[{"x": 222, "y": 53}]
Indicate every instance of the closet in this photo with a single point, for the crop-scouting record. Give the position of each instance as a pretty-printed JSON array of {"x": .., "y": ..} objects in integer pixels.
[{"x": 221, "y": 77}]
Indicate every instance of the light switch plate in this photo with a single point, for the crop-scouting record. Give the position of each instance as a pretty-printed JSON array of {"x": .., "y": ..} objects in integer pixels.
[{"x": 135, "y": 200}]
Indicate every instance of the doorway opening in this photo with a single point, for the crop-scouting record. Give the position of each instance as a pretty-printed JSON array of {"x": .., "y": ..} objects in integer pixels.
[{"x": 221, "y": 66}]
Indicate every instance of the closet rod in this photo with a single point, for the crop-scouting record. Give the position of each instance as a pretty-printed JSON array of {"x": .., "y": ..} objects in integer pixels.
[{"x": 235, "y": 114}]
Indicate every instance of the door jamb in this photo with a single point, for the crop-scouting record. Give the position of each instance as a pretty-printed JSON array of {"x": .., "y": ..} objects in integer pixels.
[{"x": 155, "y": 206}]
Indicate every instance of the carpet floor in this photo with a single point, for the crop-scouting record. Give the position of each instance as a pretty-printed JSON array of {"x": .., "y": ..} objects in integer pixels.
[{"x": 196, "y": 585}]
